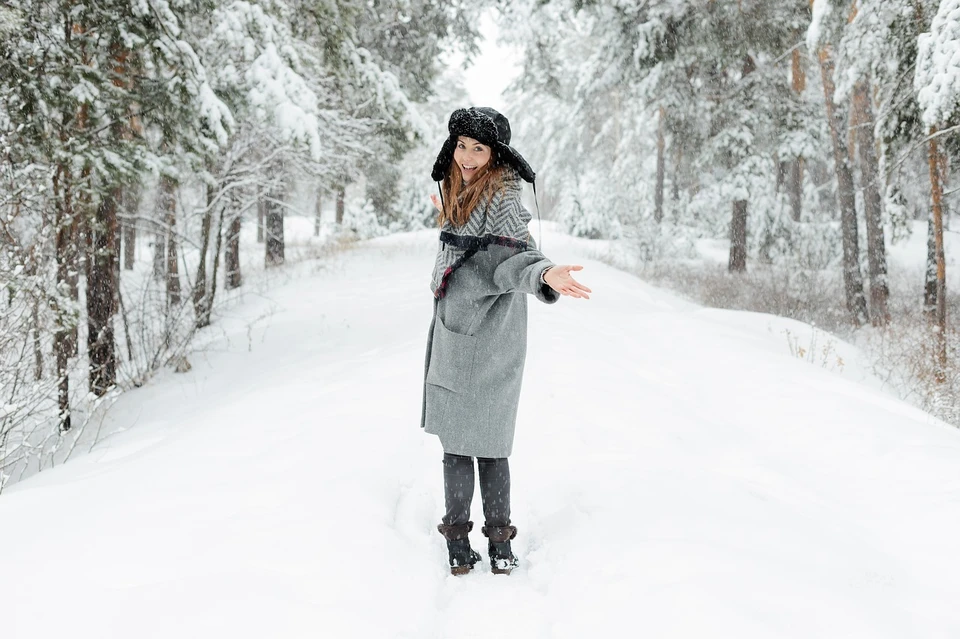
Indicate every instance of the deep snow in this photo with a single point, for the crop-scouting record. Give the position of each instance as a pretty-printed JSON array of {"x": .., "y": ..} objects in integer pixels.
[{"x": 677, "y": 473}]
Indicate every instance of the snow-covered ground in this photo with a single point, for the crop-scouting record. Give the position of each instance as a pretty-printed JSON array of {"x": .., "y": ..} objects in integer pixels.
[{"x": 678, "y": 472}]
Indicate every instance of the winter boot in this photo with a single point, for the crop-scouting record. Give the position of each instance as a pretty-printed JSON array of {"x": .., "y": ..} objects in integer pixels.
[
  {"x": 462, "y": 556},
  {"x": 502, "y": 559}
]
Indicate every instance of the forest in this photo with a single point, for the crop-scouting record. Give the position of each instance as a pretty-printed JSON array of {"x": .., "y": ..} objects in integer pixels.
[{"x": 141, "y": 140}]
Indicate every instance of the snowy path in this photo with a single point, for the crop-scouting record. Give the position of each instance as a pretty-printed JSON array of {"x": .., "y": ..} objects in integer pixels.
[{"x": 677, "y": 473}]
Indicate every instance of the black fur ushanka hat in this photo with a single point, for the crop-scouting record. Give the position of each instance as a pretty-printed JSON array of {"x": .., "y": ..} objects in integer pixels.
[{"x": 487, "y": 126}]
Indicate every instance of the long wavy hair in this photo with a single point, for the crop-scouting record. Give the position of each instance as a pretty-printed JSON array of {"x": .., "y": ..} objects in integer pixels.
[{"x": 459, "y": 199}]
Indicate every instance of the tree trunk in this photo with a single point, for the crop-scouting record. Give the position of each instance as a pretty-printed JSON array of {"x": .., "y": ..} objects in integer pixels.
[
  {"x": 873, "y": 206},
  {"x": 168, "y": 207},
  {"x": 930, "y": 275},
  {"x": 67, "y": 255},
  {"x": 795, "y": 187},
  {"x": 216, "y": 258},
  {"x": 37, "y": 341},
  {"x": 232, "y": 254},
  {"x": 940, "y": 317},
  {"x": 341, "y": 198},
  {"x": 738, "y": 238},
  {"x": 118, "y": 238},
  {"x": 261, "y": 215},
  {"x": 661, "y": 169},
  {"x": 64, "y": 340},
  {"x": 62, "y": 353},
  {"x": 783, "y": 170},
  {"x": 129, "y": 243},
  {"x": 128, "y": 227},
  {"x": 798, "y": 84},
  {"x": 317, "y": 218},
  {"x": 738, "y": 220},
  {"x": 944, "y": 165},
  {"x": 795, "y": 171},
  {"x": 677, "y": 160},
  {"x": 159, "y": 254},
  {"x": 101, "y": 295},
  {"x": 201, "y": 306},
  {"x": 852, "y": 277},
  {"x": 77, "y": 257},
  {"x": 274, "y": 231}
]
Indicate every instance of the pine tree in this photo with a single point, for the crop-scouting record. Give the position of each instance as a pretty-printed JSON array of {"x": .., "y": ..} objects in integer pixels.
[{"x": 938, "y": 92}]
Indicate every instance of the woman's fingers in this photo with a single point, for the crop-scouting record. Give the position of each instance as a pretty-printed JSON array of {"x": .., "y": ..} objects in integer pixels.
[
  {"x": 566, "y": 285},
  {"x": 572, "y": 292},
  {"x": 579, "y": 286},
  {"x": 575, "y": 284}
]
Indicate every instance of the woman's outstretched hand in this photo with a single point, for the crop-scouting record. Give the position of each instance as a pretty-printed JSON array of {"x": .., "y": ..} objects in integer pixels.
[
  {"x": 560, "y": 280},
  {"x": 436, "y": 203}
]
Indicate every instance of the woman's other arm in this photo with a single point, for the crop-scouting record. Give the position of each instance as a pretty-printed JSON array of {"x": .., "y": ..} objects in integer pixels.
[{"x": 522, "y": 273}]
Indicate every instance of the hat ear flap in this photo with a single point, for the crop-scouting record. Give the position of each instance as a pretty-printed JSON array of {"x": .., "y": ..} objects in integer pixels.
[
  {"x": 442, "y": 165},
  {"x": 509, "y": 156}
]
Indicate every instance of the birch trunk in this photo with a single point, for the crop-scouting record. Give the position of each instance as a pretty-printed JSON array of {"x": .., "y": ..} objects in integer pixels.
[{"x": 64, "y": 339}]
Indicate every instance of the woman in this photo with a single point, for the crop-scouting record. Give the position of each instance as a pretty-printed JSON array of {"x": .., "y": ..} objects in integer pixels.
[{"x": 476, "y": 348}]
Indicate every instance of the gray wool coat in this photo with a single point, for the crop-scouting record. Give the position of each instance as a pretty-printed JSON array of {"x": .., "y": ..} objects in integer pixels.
[{"x": 477, "y": 345}]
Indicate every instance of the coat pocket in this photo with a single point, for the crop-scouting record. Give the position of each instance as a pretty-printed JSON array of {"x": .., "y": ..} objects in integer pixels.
[{"x": 452, "y": 358}]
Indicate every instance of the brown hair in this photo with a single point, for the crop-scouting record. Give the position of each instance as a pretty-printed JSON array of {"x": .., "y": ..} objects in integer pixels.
[{"x": 459, "y": 199}]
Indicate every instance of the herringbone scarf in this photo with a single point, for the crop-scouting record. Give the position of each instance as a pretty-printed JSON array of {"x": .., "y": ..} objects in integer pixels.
[{"x": 500, "y": 220}]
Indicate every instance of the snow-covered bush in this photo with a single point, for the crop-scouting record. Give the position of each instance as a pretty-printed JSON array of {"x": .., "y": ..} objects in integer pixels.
[
  {"x": 361, "y": 222},
  {"x": 661, "y": 243}
]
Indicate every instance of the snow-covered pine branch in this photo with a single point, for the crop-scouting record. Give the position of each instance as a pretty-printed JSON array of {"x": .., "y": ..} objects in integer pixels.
[{"x": 938, "y": 66}]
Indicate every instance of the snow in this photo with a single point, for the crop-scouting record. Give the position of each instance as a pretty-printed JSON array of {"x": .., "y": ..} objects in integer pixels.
[
  {"x": 938, "y": 65},
  {"x": 678, "y": 472},
  {"x": 820, "y": 10}
]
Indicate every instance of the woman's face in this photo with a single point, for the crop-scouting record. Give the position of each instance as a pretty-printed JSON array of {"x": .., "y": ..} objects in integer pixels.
[{"x": 470, "y": 156}]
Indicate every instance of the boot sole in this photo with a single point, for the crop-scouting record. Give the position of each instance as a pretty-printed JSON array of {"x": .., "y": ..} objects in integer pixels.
[
  {"x": 501, "y": 571},
  {"x": 460, "y": 570}
]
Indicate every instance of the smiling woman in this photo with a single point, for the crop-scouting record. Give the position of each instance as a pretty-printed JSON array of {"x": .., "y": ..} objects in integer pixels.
[{"x": 478, "y": 338}]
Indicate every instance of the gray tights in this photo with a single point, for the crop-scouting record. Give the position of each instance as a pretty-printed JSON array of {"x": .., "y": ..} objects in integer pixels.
[{"x": 458, "y": 483}]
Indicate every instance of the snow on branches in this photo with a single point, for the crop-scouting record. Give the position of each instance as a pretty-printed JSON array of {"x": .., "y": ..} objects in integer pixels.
[{"x": 938, "y": 66}]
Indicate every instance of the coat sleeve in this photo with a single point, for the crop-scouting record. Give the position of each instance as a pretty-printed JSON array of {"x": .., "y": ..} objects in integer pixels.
[{"x": 520, "y": 273}]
